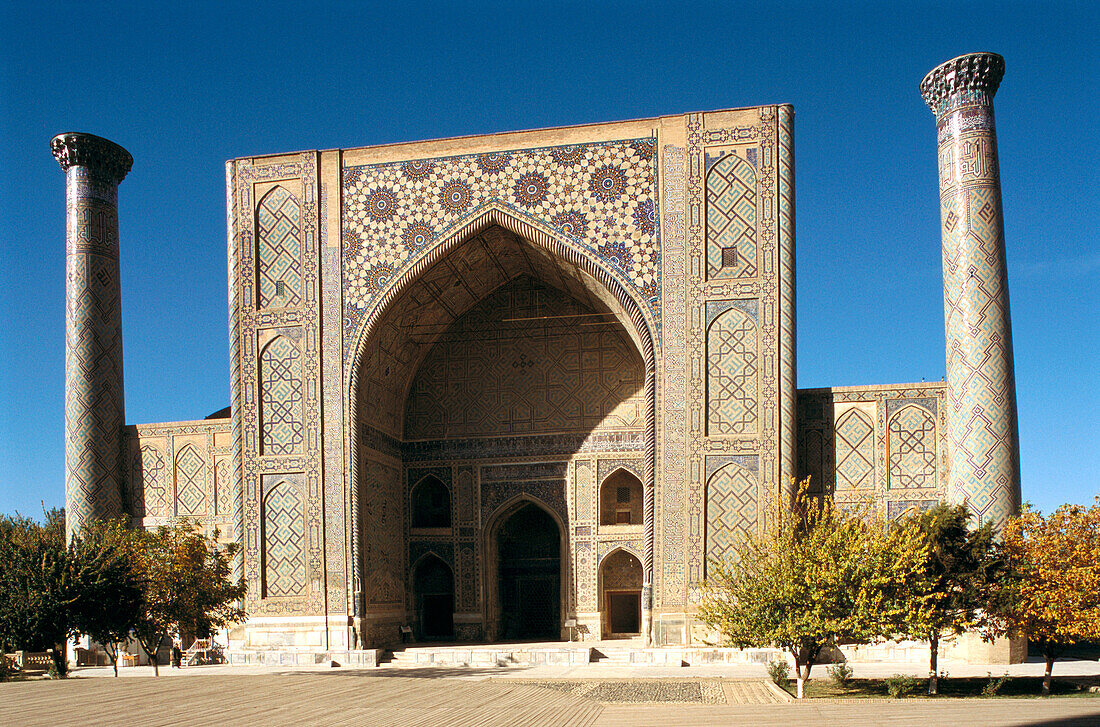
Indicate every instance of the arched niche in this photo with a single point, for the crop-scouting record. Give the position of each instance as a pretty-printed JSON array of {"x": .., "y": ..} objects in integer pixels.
[
  {"x": 434, "y": 598},
  {"x": 620, "y": 588},
  {"x": 284, "y": 541},
  {"x": 278, "y": 250},
  {"x": 621, "y": 498},
  {"x": 430, "y": 504}
]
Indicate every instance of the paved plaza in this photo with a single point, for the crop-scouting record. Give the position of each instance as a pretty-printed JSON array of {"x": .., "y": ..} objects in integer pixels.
[{"x": 542, "y": 696}]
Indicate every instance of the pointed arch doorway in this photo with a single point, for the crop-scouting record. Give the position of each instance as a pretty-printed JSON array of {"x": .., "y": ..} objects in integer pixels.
[
  {"x": 525, "y": 554},
  {"x": 434, "y": 593}
]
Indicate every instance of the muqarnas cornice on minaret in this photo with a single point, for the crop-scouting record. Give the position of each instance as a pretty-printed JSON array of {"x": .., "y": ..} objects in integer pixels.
[
  {"x": 94, "y": 402},
  {"x": 100, "y": 156},
  {"x": 967, "y": 80},
  {"x": 983, "y": 438}
]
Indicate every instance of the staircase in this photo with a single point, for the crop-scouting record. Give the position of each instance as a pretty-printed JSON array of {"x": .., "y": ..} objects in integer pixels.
[
  {"x": 611, "y": 656},
  {"x": 495, "y": 655}
]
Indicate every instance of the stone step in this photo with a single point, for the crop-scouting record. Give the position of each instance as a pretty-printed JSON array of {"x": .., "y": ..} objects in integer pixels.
[{"x": 485, "y": 656}]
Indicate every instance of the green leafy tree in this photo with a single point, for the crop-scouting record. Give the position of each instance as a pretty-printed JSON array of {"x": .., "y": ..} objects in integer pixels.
[
  {"x": 188, "y": 587},
  {"x": 960, "y": 570},
  {"x": 1050, "y": 591},
  {"x": 36, "y": 590},
  {"x": 815, "y": 576},
  {"x": 108, "y": 581}
]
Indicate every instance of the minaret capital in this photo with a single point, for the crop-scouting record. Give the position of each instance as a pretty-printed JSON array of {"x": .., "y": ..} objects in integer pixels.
[
  {"x": 975, "y": 74},
  {"x": 101, "y": 157}
]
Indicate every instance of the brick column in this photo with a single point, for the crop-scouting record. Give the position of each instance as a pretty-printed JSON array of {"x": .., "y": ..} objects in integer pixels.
[
  {"x": 94, "y": 414},
  {"x": 983, "y": 440}
]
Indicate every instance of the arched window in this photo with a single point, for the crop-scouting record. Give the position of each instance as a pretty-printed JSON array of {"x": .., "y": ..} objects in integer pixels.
[
  {"x": 621, "y": 499},
  {"x": 431, "y": 504}
]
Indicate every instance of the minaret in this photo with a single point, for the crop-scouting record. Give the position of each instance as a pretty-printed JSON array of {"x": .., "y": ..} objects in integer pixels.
[
  {"x": 94, "y": 414},
  {"x": 981, "y": 387}
]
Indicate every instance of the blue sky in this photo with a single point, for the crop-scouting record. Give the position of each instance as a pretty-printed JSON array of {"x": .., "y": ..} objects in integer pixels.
[{"x": 184, "y": 89}]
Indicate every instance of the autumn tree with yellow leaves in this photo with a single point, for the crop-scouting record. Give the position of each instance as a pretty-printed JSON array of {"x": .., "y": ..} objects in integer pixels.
[
  {"x": 1051, "y": 588},
  {"x": 189, "y": 587},
  {"x": 815, "y": 576}
]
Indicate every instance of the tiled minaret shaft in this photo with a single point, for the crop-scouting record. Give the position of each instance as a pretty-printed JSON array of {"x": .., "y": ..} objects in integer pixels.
[
  {"x": 94, "y": 414},
  {"x": 980, "y": 379}
]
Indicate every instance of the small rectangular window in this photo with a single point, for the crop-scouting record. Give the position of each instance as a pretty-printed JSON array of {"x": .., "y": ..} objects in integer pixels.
[
  {"x": 729, "y": 257},
  {"x": 280, "y": 288},
  {"x": 622, "y": 494}
]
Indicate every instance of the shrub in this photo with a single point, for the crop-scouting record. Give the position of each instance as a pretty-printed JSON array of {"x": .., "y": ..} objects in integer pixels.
[
  {"x": 779, "y": 671},
  {"x": 7, "y": 668},
  {"x": 840, "y": 673},
  {"x": 901, "y": 685},
  {"x": 993, "y": 686}
]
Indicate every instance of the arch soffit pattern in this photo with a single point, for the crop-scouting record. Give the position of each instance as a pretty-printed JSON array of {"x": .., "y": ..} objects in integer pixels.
[
  {"x": 281, "y": 484},
  {"x": 925, "y": 411},
  {"x": 629, "y": 469},
  {"x": 424, "y": 558},
  {"x": 732, "y": 313},
  {"x": 733, "y": 467},
  {"x": 511, "y": 506},
  {"x": 628, "y": 549},
  {"x": 283, "y": 340},
  {"x": 629, "y": 306},
  {"x": 426, "y": 478}
]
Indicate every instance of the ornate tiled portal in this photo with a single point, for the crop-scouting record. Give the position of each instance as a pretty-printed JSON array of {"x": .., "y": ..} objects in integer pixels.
[{"x": 594, "y": 326}]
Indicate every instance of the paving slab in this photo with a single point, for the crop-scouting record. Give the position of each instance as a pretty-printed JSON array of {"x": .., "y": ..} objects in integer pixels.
[{"x": 432, "y": 698}]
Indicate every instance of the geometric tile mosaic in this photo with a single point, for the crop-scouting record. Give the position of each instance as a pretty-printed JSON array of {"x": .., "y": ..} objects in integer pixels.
[
  {"x": 279, "y": 250},
  {"x": 493, "y": 375},
  {"x": 912, "y": 449},
  {"x": 731, "y": 509},
  {"x": 281, "y": 398},
  {"x": 223, "y": 479},
  {"x": 94, "y": 410},
  {"x": 191, "y": 484},
  {"x": 600, "y": 197},
  {"x": 855, "y": 450},
  {"x": 284, "y": 542},
  {"x": 148, "y": 486},
  {"x": 731, "y": 219},
  {"x": 982, "y": 424},
  {"x": 732, "y": 389}
]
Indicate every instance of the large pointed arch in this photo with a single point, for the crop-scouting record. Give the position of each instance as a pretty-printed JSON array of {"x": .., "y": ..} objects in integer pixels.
[{"x": 605, "y": 283}]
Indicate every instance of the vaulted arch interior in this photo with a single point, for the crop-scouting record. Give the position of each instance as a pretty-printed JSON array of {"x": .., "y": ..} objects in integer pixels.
[{"x": 480, "y": 380}]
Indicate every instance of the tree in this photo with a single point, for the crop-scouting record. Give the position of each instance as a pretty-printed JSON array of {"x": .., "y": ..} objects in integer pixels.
[
  {"x": 815, "y": 576},
  {"x": 1051, "y": 588},
  {"x": 108, "y": 582},
  {"x": 36, "y": 591},
  {"x": 188, "y": 587},
  {"x": 960, "y": 569}
]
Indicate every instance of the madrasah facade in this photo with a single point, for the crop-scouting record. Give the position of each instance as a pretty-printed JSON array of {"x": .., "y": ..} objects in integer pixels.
[{"x": 490, "y": 387}]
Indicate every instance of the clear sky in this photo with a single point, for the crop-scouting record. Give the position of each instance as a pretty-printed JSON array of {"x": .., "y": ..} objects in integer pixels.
[{"x": 186, "y": 86}]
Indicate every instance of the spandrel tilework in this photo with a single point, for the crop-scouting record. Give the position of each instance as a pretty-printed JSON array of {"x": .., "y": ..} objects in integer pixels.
[{"x": 599, "y": 196}]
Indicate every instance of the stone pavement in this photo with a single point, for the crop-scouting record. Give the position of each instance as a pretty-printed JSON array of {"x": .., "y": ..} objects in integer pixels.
[{"x": 431, "y": 697}]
